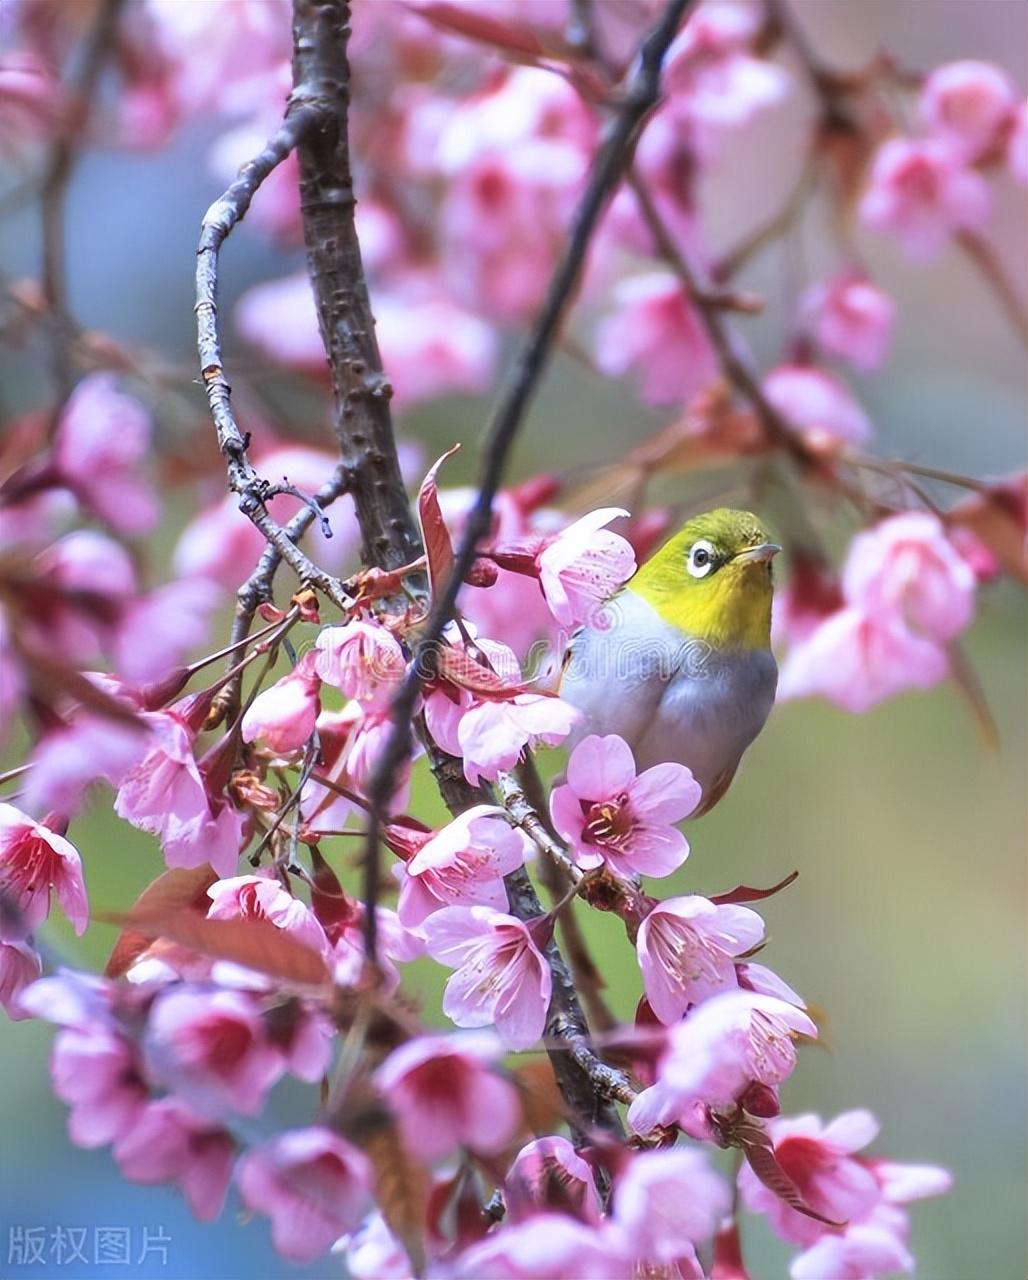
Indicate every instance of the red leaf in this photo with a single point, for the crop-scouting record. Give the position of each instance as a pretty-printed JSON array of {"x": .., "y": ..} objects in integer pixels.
[
  {"x": 434, "y": 533},
  {"x": 999, "y": 517},
  {"x": 328, "y": 901},
  {"x": 512, "y": 37},
  {"x": 744, "y": 893},
  {"x": 171, "y": 891},
  {"x": 255, "y": 944},
  {"x": 760, "y": 1156},
  {"x": 461, "y": 669}
]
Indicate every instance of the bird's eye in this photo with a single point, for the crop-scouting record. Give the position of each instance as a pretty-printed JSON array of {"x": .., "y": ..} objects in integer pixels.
[{"x": 701, "y": 559}]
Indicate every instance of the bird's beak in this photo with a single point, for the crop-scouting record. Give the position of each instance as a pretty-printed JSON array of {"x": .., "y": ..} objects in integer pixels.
[{"x": 766, "y": 551}]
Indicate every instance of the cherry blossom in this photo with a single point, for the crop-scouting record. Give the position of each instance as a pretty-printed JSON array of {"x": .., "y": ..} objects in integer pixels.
[
  {"x": 858, "y": 659},
  {"x": 165, "y": 795},
  {"x": 263, "y": 898},
  {"x": 583, "y": 566},
  {"x": 501, "y": 975},
  {"x": 444, "y": 1094},
  {"x": 102, "y": 436},
  {"x": 611, "y": 815},
  {"x": 907, "y": 564},
  {"x": 714, "y": 83},
  {"x": 546, "y": 1170},
  {"x": 818, "y": 405},
  {"x": 543, "y": 1246},
  {"x": 966, "y": 104},
  {"x": 211, "y": 1048},
  {"x": 461, "y": 865},
  {"x": 668, "y": 1201},
  {"x": 166, "y": 1142},
  {"x": 656, "y": 332},
  {"x": 362, "y": 659},
  {"x": 20, "y": 965},
  {"x": 283, "y": 716},
  {"x": 819, "y": 1160},
  {"x": 726, "y": 1044},
  {"x": 851, "y": 318},
  {"x": 922, "y": 194},
  {"x": 311, "y": 1183},
  {"x": 686, "y": 948},
  {"x": 36, "y": 862}
]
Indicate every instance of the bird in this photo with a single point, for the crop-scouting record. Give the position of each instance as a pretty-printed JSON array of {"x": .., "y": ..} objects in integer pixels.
[{"x": 680, "y": 665}]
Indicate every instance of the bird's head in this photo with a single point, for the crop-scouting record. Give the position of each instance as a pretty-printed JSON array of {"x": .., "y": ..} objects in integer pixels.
[{"x": 713, "y": 580}]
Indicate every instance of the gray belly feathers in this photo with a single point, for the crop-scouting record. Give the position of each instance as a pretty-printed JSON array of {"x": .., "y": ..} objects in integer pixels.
[{"x": 670, "y": 697}]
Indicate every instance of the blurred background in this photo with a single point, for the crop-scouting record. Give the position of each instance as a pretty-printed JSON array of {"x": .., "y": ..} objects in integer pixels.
[{"x": 907, "y": 923}]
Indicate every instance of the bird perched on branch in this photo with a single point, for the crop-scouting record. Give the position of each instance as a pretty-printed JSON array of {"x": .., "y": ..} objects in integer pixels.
[{"x": 682, "y": 668}]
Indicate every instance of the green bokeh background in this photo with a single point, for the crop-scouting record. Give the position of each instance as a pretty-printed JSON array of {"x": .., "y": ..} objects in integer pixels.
[{"x": 907, "y": 923}]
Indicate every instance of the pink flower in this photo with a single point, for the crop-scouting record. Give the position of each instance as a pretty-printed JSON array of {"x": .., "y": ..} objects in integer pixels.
[
  {"x": 850, "y": 318},
  {"x": 550, "y": 1174},
  {"x": 362, "y": 659},
  {"x": 461, "y": 865},
  {"x": 34, "y": 863},
  {"x": 714, "y": 84},
  {"x": 726, "y": 1044},
  {"x": 30, "y": 100},
  {"x": 1017, "y": 146},
  {"x": 156, "y": 630},
  {"x": 431, "y": 346},
  {"x": 668, "y": 1201},
  {"x": 858, "y": 659},
  {"x": 165, "y": 795},
  {"x": 819, "y": 1161},
  {"x": 608, "y": 814},
  {"x": 922, "y": 194},
  {"x": 444, "y": 1094},
  {"x": 20, "y": 965},
  {"x": 966, "y": 106},
  {"x": 656, "y": 333},
  {"x": 351, "y": 742},
  {"x": 861, "y": 1252},
  {"x": 102, "y": 437},
  {"x": 583, "y": 566},
  {"x": 818, "y": 405},
  {"x": 212, "y": 1049},
  {"x": 544, "y": 1246},
  {"x": 687, "y": 949},
  {"x": 65, "y": 761},
  {"x": 95, "y": 1070},
  {"x": 166, "y": 1143},
  {"x": 264, "y": 898},
  {"x": 311, "y": 1183},
  {"x": 372, "y": 1252},
  {"x": 907, "y": 565},
  {"x": 283, "y": 716},
  {"x": 501, "y": 977},
  {"x": 493, "y": 734}
]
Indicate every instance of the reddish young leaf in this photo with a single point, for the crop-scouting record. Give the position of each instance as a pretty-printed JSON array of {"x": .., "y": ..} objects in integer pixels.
[
  {"x": 461, "y": 669},
  {"x": 760, "y": 1155},
  {"x": 328, "y": 900},
  {"x": 174, "y": 890},
  {"x": 511, "y": 37},
  {"x": 999, "y": 517},
  {"x": 744, "y": 892},
  {"x": 255, "y": 944},
  {"x": 434, "y": 533}
]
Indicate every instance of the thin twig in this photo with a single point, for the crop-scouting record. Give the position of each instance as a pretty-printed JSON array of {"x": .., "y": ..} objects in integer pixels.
[
  {"x": 54, "y": 187},
  {"x": 218, "y": 222},
  {"x": 984, "y": 257}
]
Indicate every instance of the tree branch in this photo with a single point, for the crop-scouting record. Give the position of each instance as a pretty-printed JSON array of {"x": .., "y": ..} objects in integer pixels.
[
  {"x": 60, "y": 163},
  {"x": 218, "y": 222}
]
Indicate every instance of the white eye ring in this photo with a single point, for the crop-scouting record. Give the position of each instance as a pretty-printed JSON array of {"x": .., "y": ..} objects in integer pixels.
[{"x": 701, "y": 558}]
